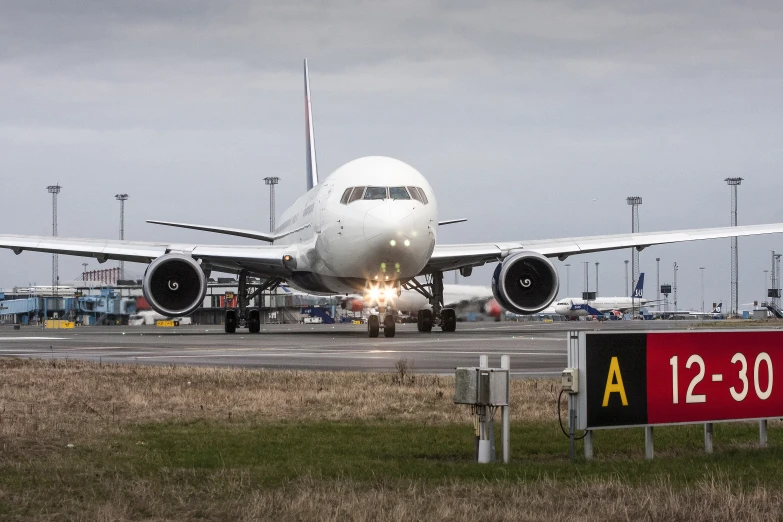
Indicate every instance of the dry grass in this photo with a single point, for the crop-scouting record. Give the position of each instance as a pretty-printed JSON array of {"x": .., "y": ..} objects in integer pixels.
[
  {"x": 43, "y": 405},
  {"x": 75, "y": 398},
  {"x": 307, "y": 498}
]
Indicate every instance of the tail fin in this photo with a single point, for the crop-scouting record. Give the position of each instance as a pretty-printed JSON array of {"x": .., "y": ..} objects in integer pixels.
[
  {"x": 638, "y": 292},
  {"x": 312, "y": 164},
  {"x": 717, "y": 309}
]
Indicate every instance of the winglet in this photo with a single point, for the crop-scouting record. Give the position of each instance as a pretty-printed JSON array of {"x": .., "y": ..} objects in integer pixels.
[
  {"x": 312, "y": 164},
  {"x": 451, "y": 221}
]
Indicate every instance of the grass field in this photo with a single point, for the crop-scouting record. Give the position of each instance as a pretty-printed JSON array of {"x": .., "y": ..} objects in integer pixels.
[{"x": 83, "y": 441}]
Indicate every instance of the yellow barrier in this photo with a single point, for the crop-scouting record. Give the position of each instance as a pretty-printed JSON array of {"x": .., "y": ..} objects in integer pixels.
[
  {"x": 166, "y": 324},
  {"x": 356, "y": 321},
  {"x": 57, "y": 324}
]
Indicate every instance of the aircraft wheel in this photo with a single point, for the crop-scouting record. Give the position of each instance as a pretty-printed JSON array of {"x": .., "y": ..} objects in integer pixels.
[
  {"x": 426, "y": 320},
  {"x": 448, "y": 320},
  {"x": 389, "y": 326},
  {"x": 254, "y": 321},
  {"x": 418, "y": 321},
  {"x": 373, "y": 325},
  {"x": 231, "y": 322}
]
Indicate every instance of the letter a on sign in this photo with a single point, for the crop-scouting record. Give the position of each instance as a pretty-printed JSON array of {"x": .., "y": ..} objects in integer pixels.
[{"x": 614, "y": 383}]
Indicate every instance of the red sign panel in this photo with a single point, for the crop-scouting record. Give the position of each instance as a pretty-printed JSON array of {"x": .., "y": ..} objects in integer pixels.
[{"x": 712, "y": 376}]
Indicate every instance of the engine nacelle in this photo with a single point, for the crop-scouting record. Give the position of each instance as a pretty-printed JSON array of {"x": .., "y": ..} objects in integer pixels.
[
  {"x": 525, "y": 283},
  {"x": 174, "y": 285}
]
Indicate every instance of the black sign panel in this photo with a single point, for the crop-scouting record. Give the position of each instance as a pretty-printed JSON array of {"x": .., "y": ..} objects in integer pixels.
[{"x": 616, "y": 379}]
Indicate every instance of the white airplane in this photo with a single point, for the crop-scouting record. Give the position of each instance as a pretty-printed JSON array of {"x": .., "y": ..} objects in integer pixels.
[
  {"x": 372, "y": 224},
  {"x": 578, "y": 307}
]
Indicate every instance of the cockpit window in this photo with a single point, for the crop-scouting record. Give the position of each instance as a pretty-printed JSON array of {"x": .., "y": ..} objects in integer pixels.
[
  {"x": 375, "y": 193},
  {"x": 346, "y": 195},
  {"x": 398, "y": 193},
  {"x": 418, "y": 194},
  {"x": 356, "y": 194}
]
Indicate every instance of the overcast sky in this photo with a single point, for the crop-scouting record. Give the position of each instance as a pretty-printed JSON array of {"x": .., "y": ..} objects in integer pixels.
[{"x": 531, "y": 119}]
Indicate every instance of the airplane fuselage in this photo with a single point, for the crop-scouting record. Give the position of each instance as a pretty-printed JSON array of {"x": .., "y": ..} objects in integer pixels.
[{"x": 385, "y": 234}]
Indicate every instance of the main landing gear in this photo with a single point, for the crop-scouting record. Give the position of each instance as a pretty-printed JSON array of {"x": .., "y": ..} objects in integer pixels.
[
  {"x": 432, "y": 289},
  {"x": 244, "y": 317}
]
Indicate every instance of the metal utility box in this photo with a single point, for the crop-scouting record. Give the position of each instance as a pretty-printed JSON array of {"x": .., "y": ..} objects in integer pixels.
[{"x": 481, "y": 386}]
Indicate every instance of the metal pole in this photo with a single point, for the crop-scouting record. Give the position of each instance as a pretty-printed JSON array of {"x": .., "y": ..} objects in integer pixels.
[
  {"x": 54, "y": 190},
  {"x": 674, "y": 286},
  {"x": 568, "y": 279},
  {"x": 649, "y": 443},
  {"x": 701, "y": 268},
  {"x": 484, "y": 451},
  {"x": 734, "y": 183},
  {"x": 596, "y": 279},
  {"x": 505, "y": 364},
  {"x": 271, "y": 181},
  {"x": 658, "y": 280},
  {"x": 587, "y": 276},
  {"x": 122, "y": 198},
  {"x": 763, "y": 433},
  {"x": 627, "y": 294},
  {"x": 766, "y": 286},
  {"x": 634, "y": 202}
]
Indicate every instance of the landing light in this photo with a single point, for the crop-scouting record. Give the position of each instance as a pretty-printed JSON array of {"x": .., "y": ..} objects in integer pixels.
[
  {"x": 393, "y": 242},
  {"x": 407, "y": 242}
]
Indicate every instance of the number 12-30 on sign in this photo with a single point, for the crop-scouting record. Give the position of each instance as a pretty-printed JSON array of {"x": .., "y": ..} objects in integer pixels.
[{"x": 713, "y": 376}]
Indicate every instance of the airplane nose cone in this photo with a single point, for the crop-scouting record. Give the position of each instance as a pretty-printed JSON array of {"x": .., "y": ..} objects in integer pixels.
[
  {"x": 386, "y": 222},
  {"x": 395, "y": 246}
]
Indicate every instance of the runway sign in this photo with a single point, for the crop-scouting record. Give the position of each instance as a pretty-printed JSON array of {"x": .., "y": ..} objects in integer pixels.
[{"x": 645, "y": 379}]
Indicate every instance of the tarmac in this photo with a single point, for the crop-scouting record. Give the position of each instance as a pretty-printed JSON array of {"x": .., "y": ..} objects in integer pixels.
[{"x": 537, "y": 349}]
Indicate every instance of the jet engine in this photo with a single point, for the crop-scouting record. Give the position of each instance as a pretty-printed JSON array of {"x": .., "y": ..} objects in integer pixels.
[
  {"x": 525, "y": 283},
  {"x": 174, "y": 285}
]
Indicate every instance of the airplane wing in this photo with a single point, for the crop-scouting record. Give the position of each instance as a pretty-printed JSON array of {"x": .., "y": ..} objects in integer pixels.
[
  {"x": 257, "y": 260},
  {"x": 451, "y": 257}
]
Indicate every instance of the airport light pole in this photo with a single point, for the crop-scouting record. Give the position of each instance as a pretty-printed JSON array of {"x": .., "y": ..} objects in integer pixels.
[
  {"x": 627, "y": 294},
  {"x": 701, "y": 268},
  {"x": 674, "y": 286},
  {"x": 658, "y": 280},
  {"x": 587, "y": 276},
  {"x": 765, "y": 286},
  {"x": 596, "y": 279},
  {"x": 122, "y": 198},
  {"x": 634, "y": 202},
  {"x": 271, "y": 181},
  {"x": 734, "y": 183},
  {"x": 54, "y": 190},
  {"x": 568, "y": 279}
]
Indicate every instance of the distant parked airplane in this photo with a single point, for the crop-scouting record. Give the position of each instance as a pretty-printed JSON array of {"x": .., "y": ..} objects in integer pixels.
[{"x": 578, "y": 307}]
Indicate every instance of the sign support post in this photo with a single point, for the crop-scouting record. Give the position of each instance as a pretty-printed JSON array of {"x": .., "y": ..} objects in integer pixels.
[
  {"x": 649, "y": 442},
  {"x": 708, "y": 431},
  {"x": 588, "y": 445},
  {"x": 505, "y": 364},
  {"x": 763, "y": 433}
]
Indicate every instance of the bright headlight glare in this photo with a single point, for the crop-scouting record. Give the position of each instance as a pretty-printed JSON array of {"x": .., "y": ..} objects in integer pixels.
[
  {"x": 407, "y": 242},
  {"x": 393, "y": 242}
]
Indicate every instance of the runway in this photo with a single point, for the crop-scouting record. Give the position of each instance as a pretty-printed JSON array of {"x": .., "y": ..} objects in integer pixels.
[{"x": 536, "y": 349}]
